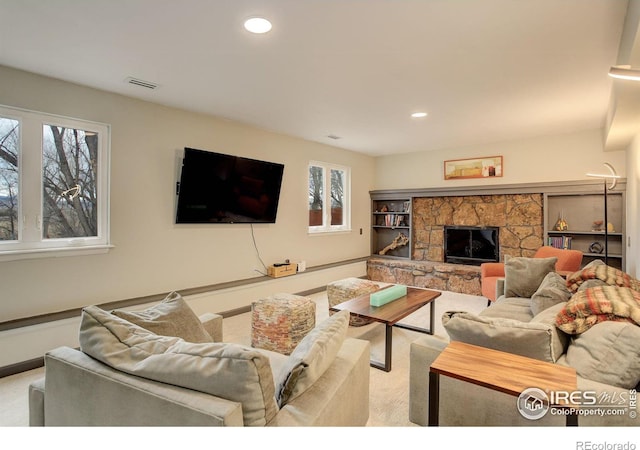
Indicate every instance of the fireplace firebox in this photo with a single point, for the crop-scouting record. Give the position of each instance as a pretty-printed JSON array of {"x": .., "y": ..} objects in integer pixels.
[{"x": 471, "y": 245}]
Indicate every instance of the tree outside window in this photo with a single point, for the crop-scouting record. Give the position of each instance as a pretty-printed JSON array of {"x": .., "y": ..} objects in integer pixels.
[
  {"x": 328, "y": 190},
  {"x": 69, "y": 173},
  {"x": 53, "y": 184},
  {"x": 9, "y": 135}
]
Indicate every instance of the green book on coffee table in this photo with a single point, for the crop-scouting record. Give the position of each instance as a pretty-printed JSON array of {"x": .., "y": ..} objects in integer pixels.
[{"x": 387, "y": 295}]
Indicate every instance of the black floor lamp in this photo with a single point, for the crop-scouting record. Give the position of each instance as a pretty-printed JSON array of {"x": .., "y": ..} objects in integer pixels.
[{"x": 613, "y": 178}]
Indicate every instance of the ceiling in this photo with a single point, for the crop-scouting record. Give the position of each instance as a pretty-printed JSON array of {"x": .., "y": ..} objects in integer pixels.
[{"x": 485, "y": 71}]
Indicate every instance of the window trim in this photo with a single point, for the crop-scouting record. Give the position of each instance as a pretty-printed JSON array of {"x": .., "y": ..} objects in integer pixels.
[
  {"x": 30, "y": 243},
  {"x": 346, "y": 207}
]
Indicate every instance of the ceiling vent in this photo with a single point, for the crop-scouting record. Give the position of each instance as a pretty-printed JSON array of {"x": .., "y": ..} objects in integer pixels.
[{"x": 141, "y": 83}]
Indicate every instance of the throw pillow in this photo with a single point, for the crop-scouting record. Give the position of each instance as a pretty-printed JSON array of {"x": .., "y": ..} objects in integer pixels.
[
  {"x": 230, "y": 371},
  {"x": 171, "y": 317},
  {"x": 609, "y": 353},
  {"x": 531, "y": 339},
  {"x": 312, "y": 357},
  {"x": 552, "y": 290},
  {"x": 524, "y": 275}
]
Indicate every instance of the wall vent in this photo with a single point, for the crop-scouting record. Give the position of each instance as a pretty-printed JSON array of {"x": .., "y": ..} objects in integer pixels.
[{"x": 141, "y": 83}]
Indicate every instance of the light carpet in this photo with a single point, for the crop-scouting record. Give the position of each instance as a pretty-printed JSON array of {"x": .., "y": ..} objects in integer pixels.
[{"x": 389, "y": 391}]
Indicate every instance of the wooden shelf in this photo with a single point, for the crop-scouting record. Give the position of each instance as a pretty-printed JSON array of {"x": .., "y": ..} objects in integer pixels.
[
  {"x": 382, "y": 235},
  {"x": 580, "y": 210}
]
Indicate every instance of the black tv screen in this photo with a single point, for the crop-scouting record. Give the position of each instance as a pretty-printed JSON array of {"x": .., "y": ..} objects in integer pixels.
[{"x": 219, "y": 188}]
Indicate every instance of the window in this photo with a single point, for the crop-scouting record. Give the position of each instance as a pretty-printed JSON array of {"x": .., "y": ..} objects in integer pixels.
[
  {"x": 54, "y": 185},
  {"x": 329, "y": 197}
]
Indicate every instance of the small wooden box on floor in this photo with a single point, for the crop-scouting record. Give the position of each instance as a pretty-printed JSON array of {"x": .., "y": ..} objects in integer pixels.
[
  {"x": 281, "y": 321},
  {"x": 282, "y": 271}
]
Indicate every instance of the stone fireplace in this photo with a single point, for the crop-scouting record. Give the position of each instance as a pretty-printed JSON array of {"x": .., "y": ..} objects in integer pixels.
[{"x": 517, "y": 218}]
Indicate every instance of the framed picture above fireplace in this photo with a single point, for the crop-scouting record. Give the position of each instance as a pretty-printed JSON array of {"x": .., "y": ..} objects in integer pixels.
[{"x": 486, "y": 167}]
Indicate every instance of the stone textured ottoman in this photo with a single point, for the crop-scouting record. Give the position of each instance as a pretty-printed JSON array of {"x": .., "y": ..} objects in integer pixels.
[
  {"x": 279, "y": 322},
  {"x": 343, "y": 290}
]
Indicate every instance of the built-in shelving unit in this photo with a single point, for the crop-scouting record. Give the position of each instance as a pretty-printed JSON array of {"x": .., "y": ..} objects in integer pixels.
[
  {"x": 391, "y": 222},
  {"x": 581, "y": 213}
]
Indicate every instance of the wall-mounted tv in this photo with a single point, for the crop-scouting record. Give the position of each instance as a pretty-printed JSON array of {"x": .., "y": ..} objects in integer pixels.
[{"x": 219, "y": 188}]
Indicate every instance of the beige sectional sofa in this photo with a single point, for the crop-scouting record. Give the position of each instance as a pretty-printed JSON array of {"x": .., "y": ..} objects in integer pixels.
[
  {"x": 126, "y": 375},
  {"x": 604, "y": 352}
]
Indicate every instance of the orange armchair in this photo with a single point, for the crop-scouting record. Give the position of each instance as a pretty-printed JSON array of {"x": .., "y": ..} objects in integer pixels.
[{"x": 568, "y": 261}]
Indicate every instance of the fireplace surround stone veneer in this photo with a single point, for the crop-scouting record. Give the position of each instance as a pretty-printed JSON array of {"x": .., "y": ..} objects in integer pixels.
[{"x": 519, "y": 218}]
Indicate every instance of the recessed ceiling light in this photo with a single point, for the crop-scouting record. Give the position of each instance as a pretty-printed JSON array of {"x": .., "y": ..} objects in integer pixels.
[
  {"x": 257, "y": 25},
  {"x": 417, "y": 115}
]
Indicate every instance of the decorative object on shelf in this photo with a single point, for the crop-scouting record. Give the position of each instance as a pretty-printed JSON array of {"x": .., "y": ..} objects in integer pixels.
[
  {"x": 613, "y": 177},
  {"x": 596, "y": 247},
  {"x": 487, "y": 167},
  {"x": 384, "y": 208},
  {"x": 610, "y": 228},
  {"x": 561, "y": 224},
  {"x": 400, "y": 241},
  {"x": 597, "y": 225}
]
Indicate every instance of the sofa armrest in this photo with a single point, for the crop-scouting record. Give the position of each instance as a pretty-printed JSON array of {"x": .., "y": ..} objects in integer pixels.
[
  {"x": 495, "y": 269},
  {"x": 213, "y": 325},
  {"x": 422, "y": 353},
  {"x": 499, "y": 287},
  {"x": 36, "y": 403},
  {"x": 81, "y": 391}
]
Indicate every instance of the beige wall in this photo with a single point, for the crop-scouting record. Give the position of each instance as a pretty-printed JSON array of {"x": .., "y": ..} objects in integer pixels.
[
  {"x": 633, "y": 210},
  {"x": 543, "y": 159},
  {"x": 152, "y": 254}
]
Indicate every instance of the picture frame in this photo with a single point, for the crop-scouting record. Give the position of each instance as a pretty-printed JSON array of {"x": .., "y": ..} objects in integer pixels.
[{"x": 484, "y": 167}]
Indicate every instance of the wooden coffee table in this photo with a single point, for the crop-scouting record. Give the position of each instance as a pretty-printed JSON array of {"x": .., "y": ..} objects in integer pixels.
[
  {"x": 504, "y": 372},
  {"x": 390, "y": 314}
]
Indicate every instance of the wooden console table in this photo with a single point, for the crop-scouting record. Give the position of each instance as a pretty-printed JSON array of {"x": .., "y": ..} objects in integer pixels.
[{"x": 500, "y": 371}]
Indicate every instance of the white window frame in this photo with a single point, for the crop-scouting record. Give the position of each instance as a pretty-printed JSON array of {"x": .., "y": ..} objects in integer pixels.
[
  {"x": 326, "y": 226},
  {"x": 30, "y": 243}
]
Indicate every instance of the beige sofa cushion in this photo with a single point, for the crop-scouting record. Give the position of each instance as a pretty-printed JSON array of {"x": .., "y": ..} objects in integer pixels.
[
  {"x": 522, "y": 276},
  {"x": 171, "y": 317},
  {"x": 515, "y": 308},
  {"x": 608, "y": 352},
  {"x": 537, "y": 339},
  {"x": 552, "y": 290},
  {"x": 230, "y": 371},
  {"x": 312, "y": 357}
]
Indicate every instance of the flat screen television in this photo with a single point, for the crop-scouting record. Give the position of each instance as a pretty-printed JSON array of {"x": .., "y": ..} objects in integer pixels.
[{"x": 219, "y": 188}]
